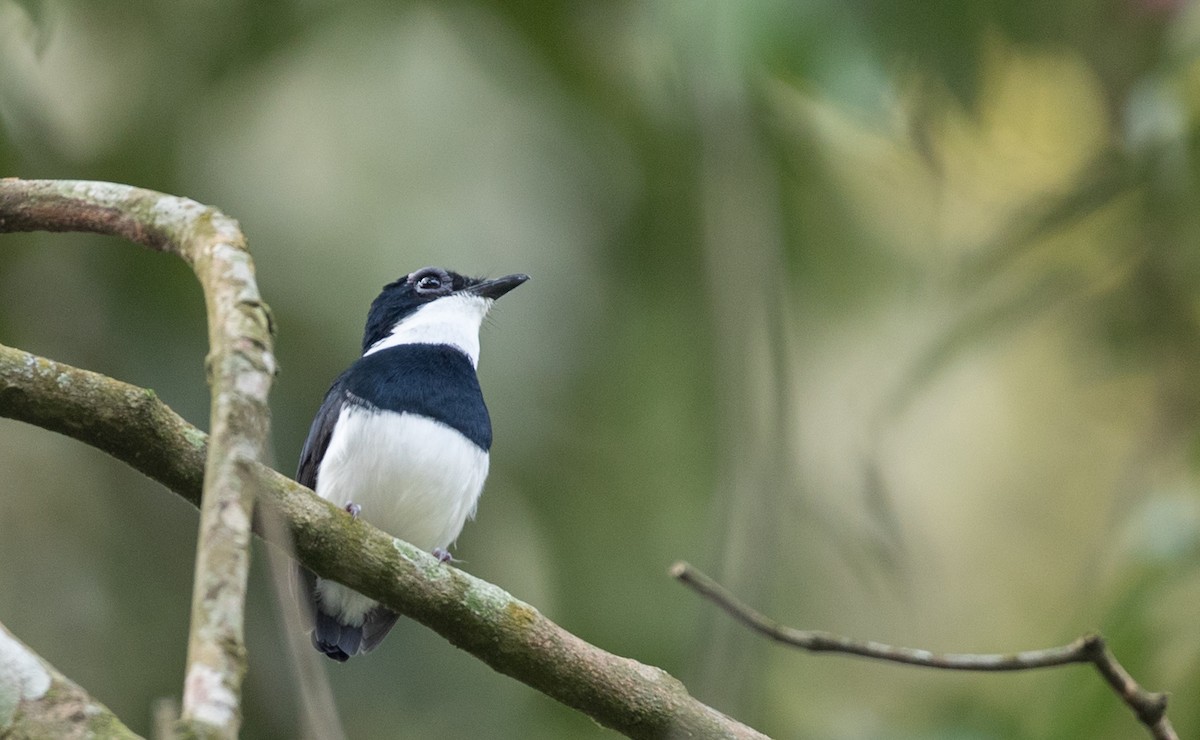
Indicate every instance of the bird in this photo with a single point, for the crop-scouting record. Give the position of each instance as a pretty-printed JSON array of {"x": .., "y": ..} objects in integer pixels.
[{"x": 402, "y": 438}]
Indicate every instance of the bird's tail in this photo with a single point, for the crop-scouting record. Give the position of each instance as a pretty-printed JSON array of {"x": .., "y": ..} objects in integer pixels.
[
  {"x": 339, "y": 641},
  {"x": 331, "y": 636}
]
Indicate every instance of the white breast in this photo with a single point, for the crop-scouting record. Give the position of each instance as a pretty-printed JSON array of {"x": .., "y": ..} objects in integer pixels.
[{"x": 414, "y": 478}]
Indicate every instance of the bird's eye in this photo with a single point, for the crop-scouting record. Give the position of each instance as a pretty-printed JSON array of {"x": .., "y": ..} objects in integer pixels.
[{"x": 431, "y": 282}]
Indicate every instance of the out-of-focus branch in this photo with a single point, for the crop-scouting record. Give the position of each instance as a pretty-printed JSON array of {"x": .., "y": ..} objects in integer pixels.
[
  {"x": 1150, "y": 707},
  {"x": 509, "y": 635},
  {"x": 240, "y": 369},
  {"x": 38, "y": 701}
]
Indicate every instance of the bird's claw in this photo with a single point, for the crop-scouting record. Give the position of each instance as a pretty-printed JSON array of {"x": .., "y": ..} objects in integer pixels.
[
  {"x": 353, "y": 510},
  {"x": 443, "y": 555}
]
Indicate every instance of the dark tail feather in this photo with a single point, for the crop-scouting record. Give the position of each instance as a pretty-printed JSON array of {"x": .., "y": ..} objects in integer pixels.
[
  {"x": 334, "y": 639},
  {"x": 339, "y": 641},
  {"x": 329, "y": 636},
  {"x": 375, "y": 627}
]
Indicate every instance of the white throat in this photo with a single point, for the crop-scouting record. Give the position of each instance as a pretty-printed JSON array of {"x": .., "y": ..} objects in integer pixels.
[{"x": 453, "y": 320}]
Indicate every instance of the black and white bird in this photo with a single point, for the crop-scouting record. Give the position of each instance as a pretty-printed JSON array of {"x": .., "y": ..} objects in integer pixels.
[{"x": 403, "y": 437}]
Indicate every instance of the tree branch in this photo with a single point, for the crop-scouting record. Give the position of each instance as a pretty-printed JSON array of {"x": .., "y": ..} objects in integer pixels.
[
  {"x": 509, "y": 635},
  {"x": 38, "y": 701},
  {"x": 241, "y": 367},
  {"x": 1150, "y": 707}
]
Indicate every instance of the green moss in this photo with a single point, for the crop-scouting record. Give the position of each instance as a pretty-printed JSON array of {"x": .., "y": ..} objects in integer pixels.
[
  {"x": 195, "y": 437},
  {"x": 427, "y": 565},
  {"x": 107, "y": 725},
  {"x": 484, "y": 599},
  {"x": 9, "y": 699}
]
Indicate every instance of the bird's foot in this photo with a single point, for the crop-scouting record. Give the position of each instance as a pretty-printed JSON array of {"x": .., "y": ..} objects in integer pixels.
[
  {"x": 443, "y": 555},
  {"x": 353, "y": 510}
]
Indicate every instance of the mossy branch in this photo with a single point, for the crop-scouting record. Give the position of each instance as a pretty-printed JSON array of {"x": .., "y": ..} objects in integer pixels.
[
  {"x": 38, "y": 701},
  {"x": 509, "y": 635}
]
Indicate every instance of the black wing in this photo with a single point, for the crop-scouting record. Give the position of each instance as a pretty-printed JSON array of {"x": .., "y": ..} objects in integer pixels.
[
  {"x": 318, "y": 436},
  {"x": 304, "y": 583}
]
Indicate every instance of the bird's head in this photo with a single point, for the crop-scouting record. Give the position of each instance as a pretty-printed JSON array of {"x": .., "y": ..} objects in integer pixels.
[{"x": 434, "y": 306}]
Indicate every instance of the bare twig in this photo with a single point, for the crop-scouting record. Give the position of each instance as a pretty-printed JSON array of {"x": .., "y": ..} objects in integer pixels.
[
  {"x": 1150, "y": 707},
  {"x": 240, "y": 368},
  {"x": 509, "y": 635}
]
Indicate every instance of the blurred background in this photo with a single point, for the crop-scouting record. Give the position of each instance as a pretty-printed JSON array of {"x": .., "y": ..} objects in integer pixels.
[{"x": 885, "y": 313}]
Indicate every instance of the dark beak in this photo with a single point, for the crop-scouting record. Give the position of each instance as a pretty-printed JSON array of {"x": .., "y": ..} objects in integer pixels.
[{"x": 495, "y": 288}]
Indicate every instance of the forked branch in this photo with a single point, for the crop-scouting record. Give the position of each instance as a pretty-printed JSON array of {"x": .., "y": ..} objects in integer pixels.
[{"x": 240, "y": 369}]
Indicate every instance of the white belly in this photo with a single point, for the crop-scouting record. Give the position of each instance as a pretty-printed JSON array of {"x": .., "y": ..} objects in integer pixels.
[{"x": 414, "y": 478}]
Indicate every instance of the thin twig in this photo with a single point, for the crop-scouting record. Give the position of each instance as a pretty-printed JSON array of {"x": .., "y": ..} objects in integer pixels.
[{"x": 1150, "y": 707}]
